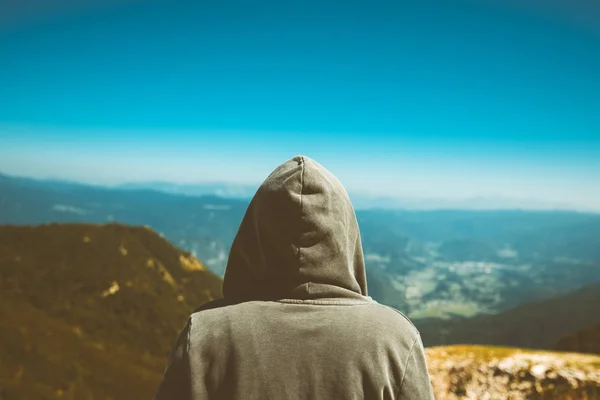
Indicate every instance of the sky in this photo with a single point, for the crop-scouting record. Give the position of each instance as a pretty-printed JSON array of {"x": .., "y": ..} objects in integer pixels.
[{"x": 435, "y": 98}]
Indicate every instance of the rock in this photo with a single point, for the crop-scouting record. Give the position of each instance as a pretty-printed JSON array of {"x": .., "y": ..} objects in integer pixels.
[{"x": 499, "y": 373}]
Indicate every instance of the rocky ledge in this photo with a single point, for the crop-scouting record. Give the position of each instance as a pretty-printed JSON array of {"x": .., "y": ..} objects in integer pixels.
[{"x": 490, "y": 373}]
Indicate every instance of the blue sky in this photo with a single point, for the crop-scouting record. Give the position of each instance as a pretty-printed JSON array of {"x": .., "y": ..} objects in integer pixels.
[{"x": 433, "y": 98}]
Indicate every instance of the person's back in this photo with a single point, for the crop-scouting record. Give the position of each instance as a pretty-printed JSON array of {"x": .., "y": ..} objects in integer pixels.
[{"x": 296, "y": 322}]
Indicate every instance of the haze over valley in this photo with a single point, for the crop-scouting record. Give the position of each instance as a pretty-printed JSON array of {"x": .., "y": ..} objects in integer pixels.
[
  {"x": 77, "y": 285},
  {"x": 429, "y": 264}
]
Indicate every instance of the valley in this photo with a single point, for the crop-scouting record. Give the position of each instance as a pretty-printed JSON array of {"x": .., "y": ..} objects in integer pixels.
[
  {"x": 91, "y": 311},
  {"x": 439, "y": 264},
  {"x": 440, "y": 288}
]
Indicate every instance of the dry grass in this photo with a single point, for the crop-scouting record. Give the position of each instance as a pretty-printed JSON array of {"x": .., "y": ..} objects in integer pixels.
[{"x": 84, "y": 315}]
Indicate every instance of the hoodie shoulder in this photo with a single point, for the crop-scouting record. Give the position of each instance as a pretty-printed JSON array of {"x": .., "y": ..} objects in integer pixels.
[
  {"x": 392, "y": 318},
  {"x": 219, "y": 303},
  {"x": 402, "y": 316}
]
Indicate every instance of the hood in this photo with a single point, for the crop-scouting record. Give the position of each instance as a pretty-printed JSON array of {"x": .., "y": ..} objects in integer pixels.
[{"x": 299, "y": 239}]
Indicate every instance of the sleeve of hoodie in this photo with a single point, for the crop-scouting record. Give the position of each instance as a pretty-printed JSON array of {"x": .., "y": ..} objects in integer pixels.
[
  {"x": 176, "y": 383},
  {"x": 416, "y": 384}
]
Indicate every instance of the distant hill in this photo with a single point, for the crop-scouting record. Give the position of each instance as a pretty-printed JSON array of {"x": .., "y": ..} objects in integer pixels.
[
  {"x": 467, "y": 249},
  {"x": 362, "y": 200},
  {"x": 534, "y": 325},
  {"x": 586, "y": 340},
  {"x": 429, "y": 264},
  {"x": 90, "y": 311},
  {"x": 204, "y": 226},
  {"x": 221, "y": 189}
]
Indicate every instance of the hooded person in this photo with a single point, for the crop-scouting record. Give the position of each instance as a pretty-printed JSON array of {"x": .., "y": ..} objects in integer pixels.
[{"x": 296, "y": 321}]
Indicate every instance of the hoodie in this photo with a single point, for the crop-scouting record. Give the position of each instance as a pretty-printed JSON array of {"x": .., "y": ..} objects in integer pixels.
[{"x": 296, "y": 321}]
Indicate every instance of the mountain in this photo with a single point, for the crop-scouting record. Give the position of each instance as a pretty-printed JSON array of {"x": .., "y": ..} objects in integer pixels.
[
  {"x": 467, "y": 249},
  {"x": 483, "y": 372},
  {"x": 429, "y": 264},
  {"x": 221, "y": 189},
  {"x": 369, "y": 201},
  {"x": 360, "y": 199},
  {"x": 586, "y": 340},
  {"x": 463, "y": 263},
  {"x": 91, "y": 311},
  {"x": 534, "y": 325},
  {"x": 204, "y": 226}
]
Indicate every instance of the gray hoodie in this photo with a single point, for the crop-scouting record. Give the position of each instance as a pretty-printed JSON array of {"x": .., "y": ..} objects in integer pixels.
[{"x": 296, "y": 321}]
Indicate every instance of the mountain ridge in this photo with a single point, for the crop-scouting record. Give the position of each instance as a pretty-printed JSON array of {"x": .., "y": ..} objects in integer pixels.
[
  {"x": 533, "y": 325},
  {"x": 361, "y": 199},
  {"x": 426, "y": 263},
  {"x": 92, "y": 310},
  {"x": 584, "y": 340}
]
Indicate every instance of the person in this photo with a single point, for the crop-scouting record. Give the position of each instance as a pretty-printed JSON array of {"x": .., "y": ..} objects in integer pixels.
[{"x": 295, "y": 321}]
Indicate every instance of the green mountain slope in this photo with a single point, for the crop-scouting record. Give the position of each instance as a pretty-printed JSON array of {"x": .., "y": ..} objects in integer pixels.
[
  {"x": 89, "y": 310},
  {"x": 204, "y": 225},
  {"x": 535, "y": 325},
  {"x": 429, "y": 264},
  {"x": 586, "y": 340}
]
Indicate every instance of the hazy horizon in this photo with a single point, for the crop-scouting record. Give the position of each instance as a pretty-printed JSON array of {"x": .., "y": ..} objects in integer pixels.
[
  {"x": 361, "y": 198},
  {"x": 424, "y": 100}
]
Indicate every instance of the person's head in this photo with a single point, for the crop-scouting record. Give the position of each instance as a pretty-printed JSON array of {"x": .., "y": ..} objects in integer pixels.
[{"x": 299, "y": 239}]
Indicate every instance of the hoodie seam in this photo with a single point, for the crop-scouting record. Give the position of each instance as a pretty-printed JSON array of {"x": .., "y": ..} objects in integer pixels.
[
  {"x": 325, "y": 302},
  {"x": 407, "y": 365},
  {"x": 302, "y": 216}
]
